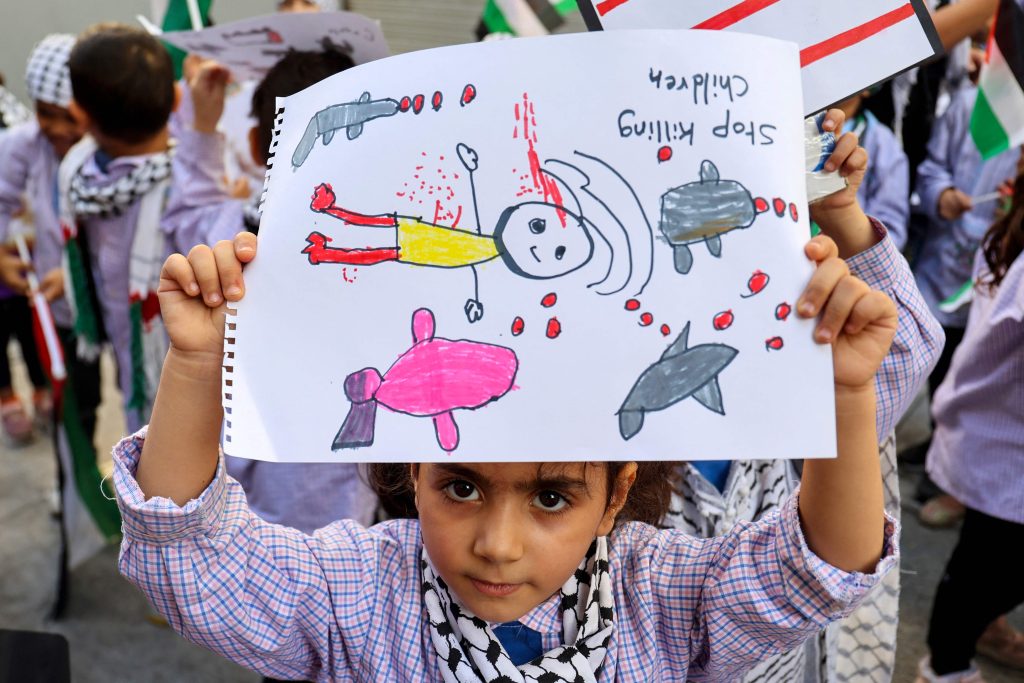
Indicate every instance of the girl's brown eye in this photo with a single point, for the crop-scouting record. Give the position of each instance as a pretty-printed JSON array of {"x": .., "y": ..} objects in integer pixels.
[
  {"x": 462, "y": 491},
  {"x": 550, "y": 501}
]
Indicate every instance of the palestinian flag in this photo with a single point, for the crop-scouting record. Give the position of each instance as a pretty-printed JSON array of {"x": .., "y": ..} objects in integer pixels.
[
  {"x": 997, "y": 123},
  {"x": 523, "y": 17},
  {"x": 178, "y": 17}
]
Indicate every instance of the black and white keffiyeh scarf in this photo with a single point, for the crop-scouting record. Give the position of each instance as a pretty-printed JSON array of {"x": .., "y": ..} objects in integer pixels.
[
  {"x": 470, "y": 653},
  {"x": 89, "y": 200}
]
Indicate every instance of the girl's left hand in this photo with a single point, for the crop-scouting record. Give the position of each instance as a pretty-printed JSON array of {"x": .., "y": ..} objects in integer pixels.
[
  {"x": 858, "y": 321},
  {"x": 849, "y": 158}
]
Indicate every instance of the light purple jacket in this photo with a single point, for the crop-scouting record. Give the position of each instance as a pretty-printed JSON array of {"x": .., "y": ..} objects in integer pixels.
[
  {"x": 977, "y": 451},
  {"x": 28, "y": 166},
  {"x": 947, "y": 252},
  {"x": 885, "y": 192},
  {"x": 110, "y": 248}
]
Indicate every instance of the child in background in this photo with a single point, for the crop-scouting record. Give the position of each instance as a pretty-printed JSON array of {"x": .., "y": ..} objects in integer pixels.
[
  {"x": 113, "y": 191},
  {"x": 553, "y": 548},
  {"x": 715, "y": 496},
  {"x": 949, "y": 181},
  {"x": 305, "y": 496},
  {"x": 16, "y": 323},
  {"x": 885, "y": 192},
  {"x": 976, "y": 455},
  {"x": 31, "y": 155}
]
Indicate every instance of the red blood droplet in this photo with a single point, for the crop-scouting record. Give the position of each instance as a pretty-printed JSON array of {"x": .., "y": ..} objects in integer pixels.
[
  {"x": 756, "y": 284},
  {"x": 664, "y": 154},
  {"x": 417, "y": 104},
  {"x": 404, "y": 104},
  {"x": 780, "y": 207},
  {"x": 793, "y": 213},
  {"x": 435, "y": 101},
  {"x": 518, "y": 326},
  {"x": 646, "y": 320},
  {"x": 632, "y": 305},
  {"x": 782, "y": 311},
  {"x": 760, "y": 204},
  {"x": 665, "y": 330},
  {"x": 723, "y": 320},
  {"x": 554, "y": 328},
  {"x": 774, "y": 344},
  {"x": 468, "y": 94},
  {"x": 549, "y": 300}
]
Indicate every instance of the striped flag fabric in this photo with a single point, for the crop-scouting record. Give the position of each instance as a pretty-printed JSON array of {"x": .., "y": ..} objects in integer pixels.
[
  {"x": 523, "y": 17},
  {"x": 997, "y": 123}
]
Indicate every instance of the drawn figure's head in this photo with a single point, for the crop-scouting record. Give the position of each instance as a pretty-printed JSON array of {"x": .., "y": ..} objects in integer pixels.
[{"x": 542, "y": 241}]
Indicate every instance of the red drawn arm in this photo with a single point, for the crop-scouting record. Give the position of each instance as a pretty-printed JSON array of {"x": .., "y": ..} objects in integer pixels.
[
  {"x": 318, "y": 252},
  {"x": 323, "y": 201}
]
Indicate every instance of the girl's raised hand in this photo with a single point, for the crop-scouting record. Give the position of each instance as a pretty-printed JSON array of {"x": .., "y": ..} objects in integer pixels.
[
  {"x": 849, "y": 158},
  {"x": 858, "y": 321},
  {"x": 193, "y": 291}
]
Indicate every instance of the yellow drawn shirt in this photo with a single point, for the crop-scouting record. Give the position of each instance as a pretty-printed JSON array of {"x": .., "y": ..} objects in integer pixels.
[{"x": 432, "y": 245}]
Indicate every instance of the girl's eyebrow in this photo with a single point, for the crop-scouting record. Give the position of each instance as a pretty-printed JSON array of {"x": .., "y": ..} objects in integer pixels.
[
  {"x": 456, "y": 470},
  {"x": 557, "y": 483}
]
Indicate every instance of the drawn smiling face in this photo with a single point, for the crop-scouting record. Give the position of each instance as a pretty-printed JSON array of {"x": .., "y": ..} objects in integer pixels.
[{"x": 534, "y": 242}]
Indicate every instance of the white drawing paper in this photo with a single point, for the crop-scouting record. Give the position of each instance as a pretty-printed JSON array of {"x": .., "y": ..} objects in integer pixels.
[
  {"x": 250, "y": 47},
  {"x": 532, "y": 250},
  {"x": 845, "y": 47}
]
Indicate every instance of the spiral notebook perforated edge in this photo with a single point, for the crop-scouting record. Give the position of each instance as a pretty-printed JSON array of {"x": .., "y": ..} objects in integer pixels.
[{"x": 229, "y": 379}]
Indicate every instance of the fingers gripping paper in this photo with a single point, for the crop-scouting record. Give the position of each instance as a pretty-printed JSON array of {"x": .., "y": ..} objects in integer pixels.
[
  {"x": 845, "y": 47},
  {"x": 581, "y": 247}
]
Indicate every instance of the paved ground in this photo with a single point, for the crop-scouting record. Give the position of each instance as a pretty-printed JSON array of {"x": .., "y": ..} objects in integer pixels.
[{"x": 112, "y": 639}]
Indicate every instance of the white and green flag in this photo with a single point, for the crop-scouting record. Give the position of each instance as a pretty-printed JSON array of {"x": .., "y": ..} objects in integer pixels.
[
  {"x": 523, "y": 17},
  {"x": 998, "y": 120}
]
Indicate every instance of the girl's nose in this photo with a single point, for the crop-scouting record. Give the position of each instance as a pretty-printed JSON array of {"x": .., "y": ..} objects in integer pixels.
[{"x": 499, "y": 536}]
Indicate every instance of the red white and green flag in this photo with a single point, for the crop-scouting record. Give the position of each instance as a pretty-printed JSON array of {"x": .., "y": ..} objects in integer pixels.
[
  {"x": 523, "y": 17},
  {"x": 997, "y": 123}
]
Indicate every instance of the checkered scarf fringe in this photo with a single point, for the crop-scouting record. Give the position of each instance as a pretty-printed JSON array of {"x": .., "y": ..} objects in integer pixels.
[
  {"x": 110, "y": 200},
  {"x": 12, "y": 111},
  {"x": 468, "y": 651}
]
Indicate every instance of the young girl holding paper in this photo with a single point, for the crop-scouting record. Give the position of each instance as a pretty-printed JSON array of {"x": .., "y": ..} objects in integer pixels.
[
  {"x": 553, "y": 551},
  {"x": 975, "y": 455}
]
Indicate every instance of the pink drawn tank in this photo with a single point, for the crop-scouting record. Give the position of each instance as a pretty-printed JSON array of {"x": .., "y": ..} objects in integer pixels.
[{"x": 433, "y": 378}]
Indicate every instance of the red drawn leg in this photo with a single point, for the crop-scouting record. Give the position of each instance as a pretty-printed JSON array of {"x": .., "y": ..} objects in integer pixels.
[
  {"x": 447, "y": 431},
  {"x": 318, "y": 252},
  {"x": 323, "y": 201}
]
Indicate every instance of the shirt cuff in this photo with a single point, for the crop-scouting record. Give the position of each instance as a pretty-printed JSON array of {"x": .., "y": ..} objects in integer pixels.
[
  {"x": 845, "y": 588},
  {"x": 880, "y": 264},
  {"x": 159, "y": 520}
]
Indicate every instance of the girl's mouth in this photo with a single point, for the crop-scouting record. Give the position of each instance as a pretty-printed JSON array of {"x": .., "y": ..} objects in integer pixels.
[{"x": 495, "y": 590}]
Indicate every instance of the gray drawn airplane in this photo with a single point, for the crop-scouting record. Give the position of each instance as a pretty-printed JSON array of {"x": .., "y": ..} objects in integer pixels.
[
  {"x": 703, "y": 211},
  {"x": 679, "y": 374}
]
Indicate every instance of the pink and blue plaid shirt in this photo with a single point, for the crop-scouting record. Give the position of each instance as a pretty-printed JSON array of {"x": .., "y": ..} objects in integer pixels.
[{"x": 344, "y": 604}]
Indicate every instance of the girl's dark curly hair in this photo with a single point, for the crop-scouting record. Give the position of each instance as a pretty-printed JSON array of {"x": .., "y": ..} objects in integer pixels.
[
  {"x": 1004, "y": 241},
  {"x": 648, "y": 500}
]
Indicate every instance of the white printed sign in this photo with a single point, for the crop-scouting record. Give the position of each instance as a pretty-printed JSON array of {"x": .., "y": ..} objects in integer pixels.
[
  {"x": 845, "y": 47},
  {"x": 483, "y": 252},
  {"x": 250, "y": 47}
]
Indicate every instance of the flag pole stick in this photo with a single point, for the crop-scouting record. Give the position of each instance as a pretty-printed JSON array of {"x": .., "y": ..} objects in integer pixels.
[
  {"x": 53, "y": 348},
  {"x": 195, "y": 15}
]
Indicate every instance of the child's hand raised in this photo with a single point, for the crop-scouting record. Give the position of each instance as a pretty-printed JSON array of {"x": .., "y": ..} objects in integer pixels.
[
  {"x": 209, "y": 90},
  {"x": 849, "y": 158},
  {"x": 193, "y": 291},
  {"x": 858, "y": 321}
]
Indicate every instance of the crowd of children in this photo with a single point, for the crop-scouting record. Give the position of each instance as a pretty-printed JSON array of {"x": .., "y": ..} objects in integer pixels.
[{"x": 140, "y": 205}]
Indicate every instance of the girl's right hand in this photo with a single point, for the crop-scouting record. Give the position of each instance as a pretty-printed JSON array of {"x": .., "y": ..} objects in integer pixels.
[{"x": 193, "y": 291}]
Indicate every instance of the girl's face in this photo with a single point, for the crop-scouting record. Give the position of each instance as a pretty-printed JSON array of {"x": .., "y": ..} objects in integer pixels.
[
  {"x": 59, "y": 127},
  {"x": 506, "y": 536}
]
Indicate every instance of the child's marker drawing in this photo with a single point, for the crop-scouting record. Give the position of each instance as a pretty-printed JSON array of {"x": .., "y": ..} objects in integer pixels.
[
  {"x": 664, "y": 154},
  {"x": 554, "y": 329},
  {"x": 632, "y": 305},
  {"x": 646, "y": 320},
  {"x": 433, "y": 378},
  {"x": 774, "y": 344},
  {"x": 549, "y": 300},
  {"x": 518, "y": 326},
  {"x": 782, "y": 311},
  {"x": 681, "y": 372}
]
